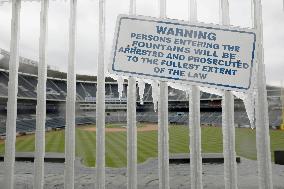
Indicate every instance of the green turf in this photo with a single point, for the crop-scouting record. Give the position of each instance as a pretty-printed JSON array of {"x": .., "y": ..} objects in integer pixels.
[{"x": 147, "y": 143}]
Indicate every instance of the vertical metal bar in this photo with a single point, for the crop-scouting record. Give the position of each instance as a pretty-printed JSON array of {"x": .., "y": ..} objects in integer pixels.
[
  {"x": 71, "y": 100},
  {"x": 100, "y": 103},
  {"x": 163, "y": 133},
  {"x": 262, "y": 122},
  {"x": 192, "y": 11},
  {"x": 228, "y": 126},
  {"x": 131, "y": 135},
  {"x": 41, "y": 100},
  {"x": 131, "y": 124},
  {"x": 195, "y": 138},
  {"x": 228, "y": 130},
  {"x": 194, "y": 121},
  {"x": 10, "y": 141},
  {"x": 163, "y": 137},
  {"x": 132, "y": 9}
]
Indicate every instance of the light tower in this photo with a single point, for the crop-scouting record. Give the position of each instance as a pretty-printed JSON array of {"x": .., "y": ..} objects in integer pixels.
[{"x": 282, "y": 100}]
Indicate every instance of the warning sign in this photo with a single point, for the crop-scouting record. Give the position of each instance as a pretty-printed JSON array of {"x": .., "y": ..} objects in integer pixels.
[{"x": 177, "y": 51}]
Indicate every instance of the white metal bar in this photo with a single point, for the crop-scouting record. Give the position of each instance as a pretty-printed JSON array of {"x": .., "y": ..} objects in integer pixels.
[
  {"x": 194, "y": 121},
  {"x": 163, "y": 137},
  {"x": 100, "y": 110},
  {"x": 195, "y": 138},
  {"x": 131, "y": 135},
  {"x": 228, "y": 130},
  {"x": 163, "y": 133},
  {"x": 132, "y": 9},
  {"x": 71, "y": 100},
  {"x": 262, "y": 122},
  {"x": 41, "y": 100},
  {"x": 192, "y": 11},
  {"x": 228, "y": 126},
  {"x": 131, "y": 124},
  {"x": 10, "y": 141}
]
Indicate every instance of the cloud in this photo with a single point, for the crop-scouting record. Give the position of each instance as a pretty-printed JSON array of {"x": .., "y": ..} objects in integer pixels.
[{"x": 87, "y": 28}]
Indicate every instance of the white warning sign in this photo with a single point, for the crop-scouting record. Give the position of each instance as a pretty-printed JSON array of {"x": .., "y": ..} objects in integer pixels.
[{"x": 177, "y": 51}]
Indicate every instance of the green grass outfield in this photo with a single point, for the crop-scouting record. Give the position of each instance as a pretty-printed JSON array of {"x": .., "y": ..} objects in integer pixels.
[{"x": 147, "y": 143}]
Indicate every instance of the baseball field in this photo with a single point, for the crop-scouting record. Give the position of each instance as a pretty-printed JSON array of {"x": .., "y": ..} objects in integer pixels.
[{"x": 147, "y": 142}]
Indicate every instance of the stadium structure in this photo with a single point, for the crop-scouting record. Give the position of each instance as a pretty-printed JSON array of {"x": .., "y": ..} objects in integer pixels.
[{"x": 211, "y": 110}]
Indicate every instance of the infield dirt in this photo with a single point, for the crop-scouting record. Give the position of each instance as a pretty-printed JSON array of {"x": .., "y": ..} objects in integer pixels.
[{"x": 147, "y": 127}]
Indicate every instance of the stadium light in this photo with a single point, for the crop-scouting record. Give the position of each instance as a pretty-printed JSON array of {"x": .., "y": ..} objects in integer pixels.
[{"x": 282, "y": 102}]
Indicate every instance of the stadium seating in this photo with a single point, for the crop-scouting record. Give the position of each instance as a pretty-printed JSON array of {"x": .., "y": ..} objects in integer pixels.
[
  {"x": 27, "y": 123},
  {"x": 56, "y": 89}
]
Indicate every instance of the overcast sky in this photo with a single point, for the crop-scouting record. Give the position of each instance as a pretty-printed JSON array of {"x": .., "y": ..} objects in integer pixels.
[{"x": 87, "y": 30}]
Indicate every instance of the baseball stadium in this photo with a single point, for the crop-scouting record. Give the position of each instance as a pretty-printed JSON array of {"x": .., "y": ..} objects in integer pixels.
[
  {"x": 141, "y": 94},
  {"x": 116, "y": 117}
]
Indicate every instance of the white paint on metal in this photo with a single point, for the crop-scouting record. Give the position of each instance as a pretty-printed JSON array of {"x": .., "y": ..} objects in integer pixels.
[
  {"x": 249, "y": 102},
  {"x": 41, "y": 100},
  {"x": 228, "y": 126},
  {"x": 70, "y": 101},
  {"x": 155, "y": 93},
  {"x": 194, "y": 121},
  {"x": 262, "y": 122},
  {"x": 141, "y": 86},
  {"x": 9, "y": 159},
  {"x": 120, "y": 82},
  {"x": 100, "y": 109}
]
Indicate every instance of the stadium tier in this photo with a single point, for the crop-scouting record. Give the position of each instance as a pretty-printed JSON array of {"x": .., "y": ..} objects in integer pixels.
[{"x": 56, "y": 89}]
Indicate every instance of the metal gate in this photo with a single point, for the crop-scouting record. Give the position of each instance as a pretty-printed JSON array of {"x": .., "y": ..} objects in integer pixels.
[{"x": 230, "y": 168}]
